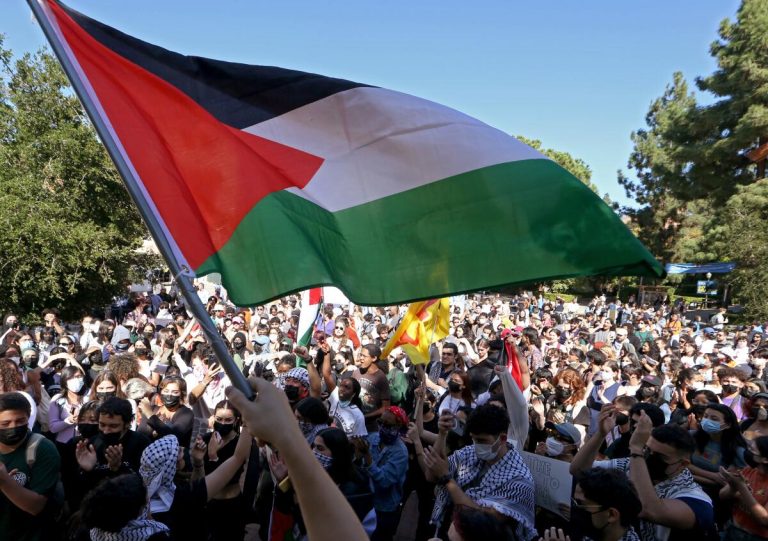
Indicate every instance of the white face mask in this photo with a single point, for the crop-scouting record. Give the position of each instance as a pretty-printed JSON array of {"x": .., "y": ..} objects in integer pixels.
[
  {"x": 487, "y": 451},
  {"x": 554, "y": 447},
  {"x": 75, "y": 384}
]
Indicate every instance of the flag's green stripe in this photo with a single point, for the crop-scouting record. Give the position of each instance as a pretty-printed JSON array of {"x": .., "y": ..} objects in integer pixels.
[{"x": 505, "y": 224}]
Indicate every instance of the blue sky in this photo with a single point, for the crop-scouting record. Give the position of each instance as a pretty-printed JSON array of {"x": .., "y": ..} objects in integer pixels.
[{"x": 579, "y": 76}]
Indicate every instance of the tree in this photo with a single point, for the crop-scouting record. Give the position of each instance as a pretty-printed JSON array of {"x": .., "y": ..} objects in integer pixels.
[
  {"x": 746, "y": 241},
  {"x": 576, "y": 166},
  {"x": 71, "y": 230},
  {"x": 692, "y": 158}
]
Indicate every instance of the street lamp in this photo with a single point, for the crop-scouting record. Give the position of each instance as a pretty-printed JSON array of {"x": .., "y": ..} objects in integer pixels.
[{"x": 706, "y": 289}]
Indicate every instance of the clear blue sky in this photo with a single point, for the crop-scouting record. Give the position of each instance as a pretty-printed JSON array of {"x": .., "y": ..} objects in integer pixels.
[{"x": 579, "y": 76}]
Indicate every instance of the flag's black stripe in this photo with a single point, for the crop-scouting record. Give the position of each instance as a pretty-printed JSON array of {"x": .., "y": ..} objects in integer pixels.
[{"x": 237, "y": 94}]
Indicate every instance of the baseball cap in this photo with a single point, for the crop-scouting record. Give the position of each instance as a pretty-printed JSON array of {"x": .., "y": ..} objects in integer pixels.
[{"x": 566, "y": 429}]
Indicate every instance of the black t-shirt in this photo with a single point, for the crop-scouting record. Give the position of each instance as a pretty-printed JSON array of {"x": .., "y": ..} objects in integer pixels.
[{"x": 186, "y": 517}]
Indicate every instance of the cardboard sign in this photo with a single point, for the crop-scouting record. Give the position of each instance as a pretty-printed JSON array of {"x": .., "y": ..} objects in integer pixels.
[{"x": 552, "y": 481}]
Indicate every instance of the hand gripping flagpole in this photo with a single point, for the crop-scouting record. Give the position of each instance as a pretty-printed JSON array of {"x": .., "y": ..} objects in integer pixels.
[{"x": 182, "y": 273}]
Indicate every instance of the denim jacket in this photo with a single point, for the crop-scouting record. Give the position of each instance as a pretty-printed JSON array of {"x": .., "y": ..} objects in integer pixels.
[{"x": 388, "y": 467}]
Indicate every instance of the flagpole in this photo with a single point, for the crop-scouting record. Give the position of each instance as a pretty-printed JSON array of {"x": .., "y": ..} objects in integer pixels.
[{"x": 181, "y": 273}]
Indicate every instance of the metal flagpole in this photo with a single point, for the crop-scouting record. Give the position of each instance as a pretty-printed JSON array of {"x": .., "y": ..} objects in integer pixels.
[{"x": 182, "y": 274}]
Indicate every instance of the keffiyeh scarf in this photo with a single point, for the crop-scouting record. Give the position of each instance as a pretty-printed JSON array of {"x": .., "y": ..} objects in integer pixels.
[{"x": 158, "y": 467}]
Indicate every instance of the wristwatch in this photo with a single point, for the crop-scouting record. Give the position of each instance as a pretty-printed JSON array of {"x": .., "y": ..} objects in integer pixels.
[{"x": 443, "y": 480}]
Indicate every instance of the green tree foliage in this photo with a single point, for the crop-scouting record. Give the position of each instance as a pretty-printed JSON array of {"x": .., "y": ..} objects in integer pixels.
[
  {"x": 691, "y": 159},
  {"x": 576, "y": 166},
  {"x": 71, "y": 231},
  {"x": 747, "y": 231}
]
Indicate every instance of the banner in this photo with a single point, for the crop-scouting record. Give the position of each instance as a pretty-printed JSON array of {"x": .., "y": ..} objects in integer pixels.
[{"x": 552, "y": 480}]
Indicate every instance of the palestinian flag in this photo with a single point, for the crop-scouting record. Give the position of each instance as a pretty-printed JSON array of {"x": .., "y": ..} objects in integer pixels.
[
  {"x": 282, "y": 180},
  {"x": 311, "y": 304}
]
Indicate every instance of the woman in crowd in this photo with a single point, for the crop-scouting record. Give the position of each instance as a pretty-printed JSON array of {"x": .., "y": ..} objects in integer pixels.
[
  {"x": 105, "y": 385},
  {"x": 748, "y": 489},
  {"x": 458, "y": 396},
  {"x": 64, "y": 408},
  {"x": 756, "y": 423},
  {"x": 228, "y": 502},
  {"x": 172, "y": 416}
]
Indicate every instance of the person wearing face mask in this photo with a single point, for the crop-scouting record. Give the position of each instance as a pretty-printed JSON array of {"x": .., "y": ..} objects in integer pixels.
[
  {"x": 172, "y": 416},
  {"x": 87, "y": 429},
  {"x": 227, "y": 502},
  {"x": 115, "y": 450},
  {"x": 62, "y": 414},
  {"x": 458, "y": 395},
  {"x": 731, "y": 383},
  {"x": 344, "y": 404},
  {"x": 604, "y": 386},
  {"x": 563, "y": 440},
  {"x": 756, "y": 424},
  {"x": 240, "y": 353},
  {"x": 604, "y": 507},
  {"x": 749, "y": 490},
  {"x": 674, "y": 505},
  {"x": 385, "y": 458},
  {"x": 106, "y": 385},
  {"x": 24, "y": 488},
  {"x": 296, "y": 385},
  {"x": 489, "y": 474},
  {"x": 312, "y": 417},
  {"x": 206, "y": 381}
]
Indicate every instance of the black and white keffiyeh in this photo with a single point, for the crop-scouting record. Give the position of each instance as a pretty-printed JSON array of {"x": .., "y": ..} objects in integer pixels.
[
  {"x": 135, "y": 530},
  {"x": 682, "y": 485},
  {"x": 158, "y": 467},
  {"x": 507, "y": 486}
]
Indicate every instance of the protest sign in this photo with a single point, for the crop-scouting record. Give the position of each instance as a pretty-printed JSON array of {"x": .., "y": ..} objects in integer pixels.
[{"x": 552, "y": 481}]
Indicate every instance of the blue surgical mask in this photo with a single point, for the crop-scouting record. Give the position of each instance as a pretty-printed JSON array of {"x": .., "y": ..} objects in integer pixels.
[{"x": 711, "y": 427}]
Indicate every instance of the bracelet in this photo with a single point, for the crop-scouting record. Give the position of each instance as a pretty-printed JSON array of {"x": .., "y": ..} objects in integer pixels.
[
  {"x": 636, "y": 455},
  {"x": 285, "y": 485}
]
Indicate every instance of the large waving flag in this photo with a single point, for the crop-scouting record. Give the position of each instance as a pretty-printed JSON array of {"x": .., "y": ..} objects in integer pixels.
[
  {"x": 422, "y": 325},
  {"x": 281, "y": 180}
]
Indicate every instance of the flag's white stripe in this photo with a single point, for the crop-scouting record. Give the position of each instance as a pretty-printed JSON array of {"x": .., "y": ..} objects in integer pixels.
[{"x": 378, "y": 142}]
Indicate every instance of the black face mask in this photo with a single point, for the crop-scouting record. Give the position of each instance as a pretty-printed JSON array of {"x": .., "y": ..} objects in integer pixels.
[
  {"x": 113, "y": 438},
  {"x": 454, "y": 387},
  {"x": 169, "y": 342},
  {"x": 222, "y": 428},
  {"x": 103, "y": 395},
  {"x": 657, "y": 468},
  {"x": 729, "y": 389},
  {"x": 238, "y": 345},
  {"x": 425, "y": 408},
  {"x": 148, "y": 335},
  {"x": 292, "y": 393},
  {"x": 581, "y": 520},
  {"x": 88, "y": 430},
  {"x": 747, "y": 392},
  {"x": 12, "y": 436},
  {"x": 563, "y": 394},
  {"x": 32, "y": 362},
  {"x": 96, "y": 359},
  {"x": 122, "y": 347},
  {"x": 621, "y": 419},
  {"x": 170, "y": 400}
]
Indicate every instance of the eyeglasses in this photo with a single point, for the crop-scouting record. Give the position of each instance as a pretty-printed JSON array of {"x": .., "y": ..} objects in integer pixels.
[
  {"x": 340, "y": 328},
  {"x": 579, "y": 505}
]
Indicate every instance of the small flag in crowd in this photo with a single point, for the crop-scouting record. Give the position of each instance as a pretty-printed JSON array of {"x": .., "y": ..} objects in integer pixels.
[
  {"x": 422, "y": 325},
  {"x": 281, "y": 180},
  {"x": 311, "y": 304}
]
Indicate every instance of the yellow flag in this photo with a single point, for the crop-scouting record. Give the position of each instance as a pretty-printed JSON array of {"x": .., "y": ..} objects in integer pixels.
[{"x": 425, "y": 323}]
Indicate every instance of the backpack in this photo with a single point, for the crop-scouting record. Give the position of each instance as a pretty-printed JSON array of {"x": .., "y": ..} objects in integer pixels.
[{"x": 55, "y": 512}]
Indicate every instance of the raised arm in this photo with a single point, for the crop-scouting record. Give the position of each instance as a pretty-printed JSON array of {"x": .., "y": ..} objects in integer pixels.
[
  {"x": 269, "y": 418},
  {"x": 588, "y": 452}
]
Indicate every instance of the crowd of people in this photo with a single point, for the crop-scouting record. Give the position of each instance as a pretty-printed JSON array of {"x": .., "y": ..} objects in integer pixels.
[{"x": 125, "y": 427}]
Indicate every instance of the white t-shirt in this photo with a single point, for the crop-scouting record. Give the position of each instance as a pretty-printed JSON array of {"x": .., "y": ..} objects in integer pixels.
[{"x": 348, "y": 418}]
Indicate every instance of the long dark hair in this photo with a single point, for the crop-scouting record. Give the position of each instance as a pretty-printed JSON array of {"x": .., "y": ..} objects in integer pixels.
[
  {"x": 342, "y": 468},
  {"x": 355, "y": 400},
  {"x": 730, "y": 438}
]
